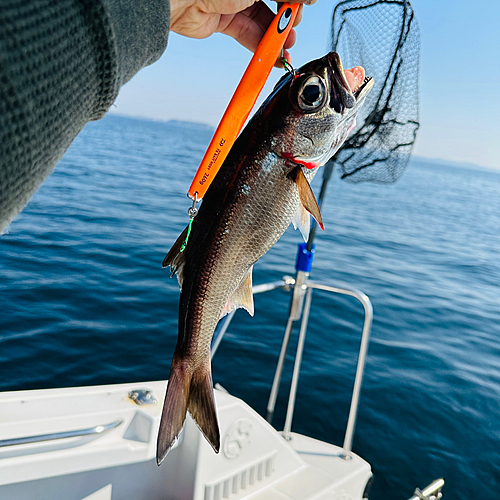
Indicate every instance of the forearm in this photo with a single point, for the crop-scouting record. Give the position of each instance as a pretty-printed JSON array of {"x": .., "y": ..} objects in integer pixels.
[{"x": 62, "y": 64}]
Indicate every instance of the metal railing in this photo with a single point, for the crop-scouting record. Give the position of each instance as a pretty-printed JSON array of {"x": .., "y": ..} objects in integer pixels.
[
  {"x": 431, "y": 492},
  {"x": 304, "y": 288},
  {"x": 91, "y": 431}
]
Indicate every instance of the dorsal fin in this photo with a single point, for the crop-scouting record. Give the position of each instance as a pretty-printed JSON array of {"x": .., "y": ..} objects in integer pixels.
[
  {"x": 175, "y": 258},
  {"x": 306, "y": 195},
  {"x": 242, "y": 296}
]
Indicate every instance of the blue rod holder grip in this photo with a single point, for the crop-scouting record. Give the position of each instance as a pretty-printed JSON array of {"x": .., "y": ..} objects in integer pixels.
[{"x": 304, "y": 258}]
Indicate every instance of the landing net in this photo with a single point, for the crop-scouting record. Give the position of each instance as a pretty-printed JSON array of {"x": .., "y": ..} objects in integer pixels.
[{"x": 383, "y": 37}]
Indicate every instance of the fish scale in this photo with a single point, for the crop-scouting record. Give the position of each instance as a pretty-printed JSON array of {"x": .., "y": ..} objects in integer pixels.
[{"x": 261, "y": 187}]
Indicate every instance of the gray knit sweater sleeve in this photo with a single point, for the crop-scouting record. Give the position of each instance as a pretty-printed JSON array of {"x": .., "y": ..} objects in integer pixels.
[{"x": 62, "y": 63}]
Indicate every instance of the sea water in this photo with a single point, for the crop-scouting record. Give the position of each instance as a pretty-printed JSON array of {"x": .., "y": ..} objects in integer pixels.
[{"x": 84, "y": 301}]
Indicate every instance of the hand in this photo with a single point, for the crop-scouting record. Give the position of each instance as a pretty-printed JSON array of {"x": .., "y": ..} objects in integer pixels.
[{"x": 244, "y": 20}]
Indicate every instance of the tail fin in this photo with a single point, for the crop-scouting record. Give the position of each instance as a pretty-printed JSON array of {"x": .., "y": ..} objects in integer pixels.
[{"x": 188, "y": 392}]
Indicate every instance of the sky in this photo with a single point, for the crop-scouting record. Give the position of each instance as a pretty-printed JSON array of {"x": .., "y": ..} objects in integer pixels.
[{"x": 459, "y": 77}]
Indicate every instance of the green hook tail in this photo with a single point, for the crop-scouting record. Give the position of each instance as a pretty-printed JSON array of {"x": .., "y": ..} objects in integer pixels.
[{"x": 183, "y": 247}]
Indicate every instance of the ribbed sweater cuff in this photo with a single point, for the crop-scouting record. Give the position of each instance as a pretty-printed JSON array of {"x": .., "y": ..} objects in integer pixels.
[{"x": 140, "y": 33}]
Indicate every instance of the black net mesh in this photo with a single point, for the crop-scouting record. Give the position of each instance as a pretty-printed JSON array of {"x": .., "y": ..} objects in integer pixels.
[{"x": 383, "y": 37}]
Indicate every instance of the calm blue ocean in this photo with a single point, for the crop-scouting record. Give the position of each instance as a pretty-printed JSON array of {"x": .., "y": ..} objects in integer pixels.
[{"x": 85, "y": 301}]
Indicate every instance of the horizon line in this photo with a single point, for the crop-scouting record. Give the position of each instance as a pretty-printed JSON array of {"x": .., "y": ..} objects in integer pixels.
[{"x": 442, "y": 161}]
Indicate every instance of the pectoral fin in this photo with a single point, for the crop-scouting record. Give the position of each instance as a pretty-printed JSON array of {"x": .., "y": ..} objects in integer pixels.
[
  {"x": 306, "y": 195},
  {"x": 302, "y": 220},
  {"x": 175, "y": 258},
  {"x": 242, "y": 297}
]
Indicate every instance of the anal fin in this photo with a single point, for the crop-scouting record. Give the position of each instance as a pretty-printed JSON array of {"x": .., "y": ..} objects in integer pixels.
[{"x": 242, "y": 296}]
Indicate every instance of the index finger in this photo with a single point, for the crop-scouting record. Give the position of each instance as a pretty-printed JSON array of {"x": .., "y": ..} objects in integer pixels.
[{"x": 299, "y": 14}]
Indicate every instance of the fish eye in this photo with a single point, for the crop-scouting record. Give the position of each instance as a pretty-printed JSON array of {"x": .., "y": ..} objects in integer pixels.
[{"x": 311, "y": 94}]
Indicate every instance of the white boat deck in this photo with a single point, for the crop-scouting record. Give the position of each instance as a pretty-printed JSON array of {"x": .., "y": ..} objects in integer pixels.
[{"x": 255, "y": 461}]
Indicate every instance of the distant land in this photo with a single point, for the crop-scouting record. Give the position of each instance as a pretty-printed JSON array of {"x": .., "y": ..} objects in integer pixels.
[
  {"x": 189, "y": 125},
  {"x": 208, "y": 128},
  {"x": 174, "y": 123},
  {"x": 451, "y": 163}
]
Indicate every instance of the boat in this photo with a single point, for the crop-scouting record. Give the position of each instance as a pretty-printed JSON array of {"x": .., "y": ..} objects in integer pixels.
[{"x": 99, "y": 443}]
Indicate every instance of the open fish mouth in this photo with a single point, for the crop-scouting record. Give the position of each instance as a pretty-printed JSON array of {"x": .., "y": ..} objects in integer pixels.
[
  {"x": 363, "y": 88},
  {"x": 352, "y": 85}
]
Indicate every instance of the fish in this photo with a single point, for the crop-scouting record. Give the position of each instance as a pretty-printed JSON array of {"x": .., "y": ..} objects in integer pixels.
[{"x": 262, "y": 187}]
